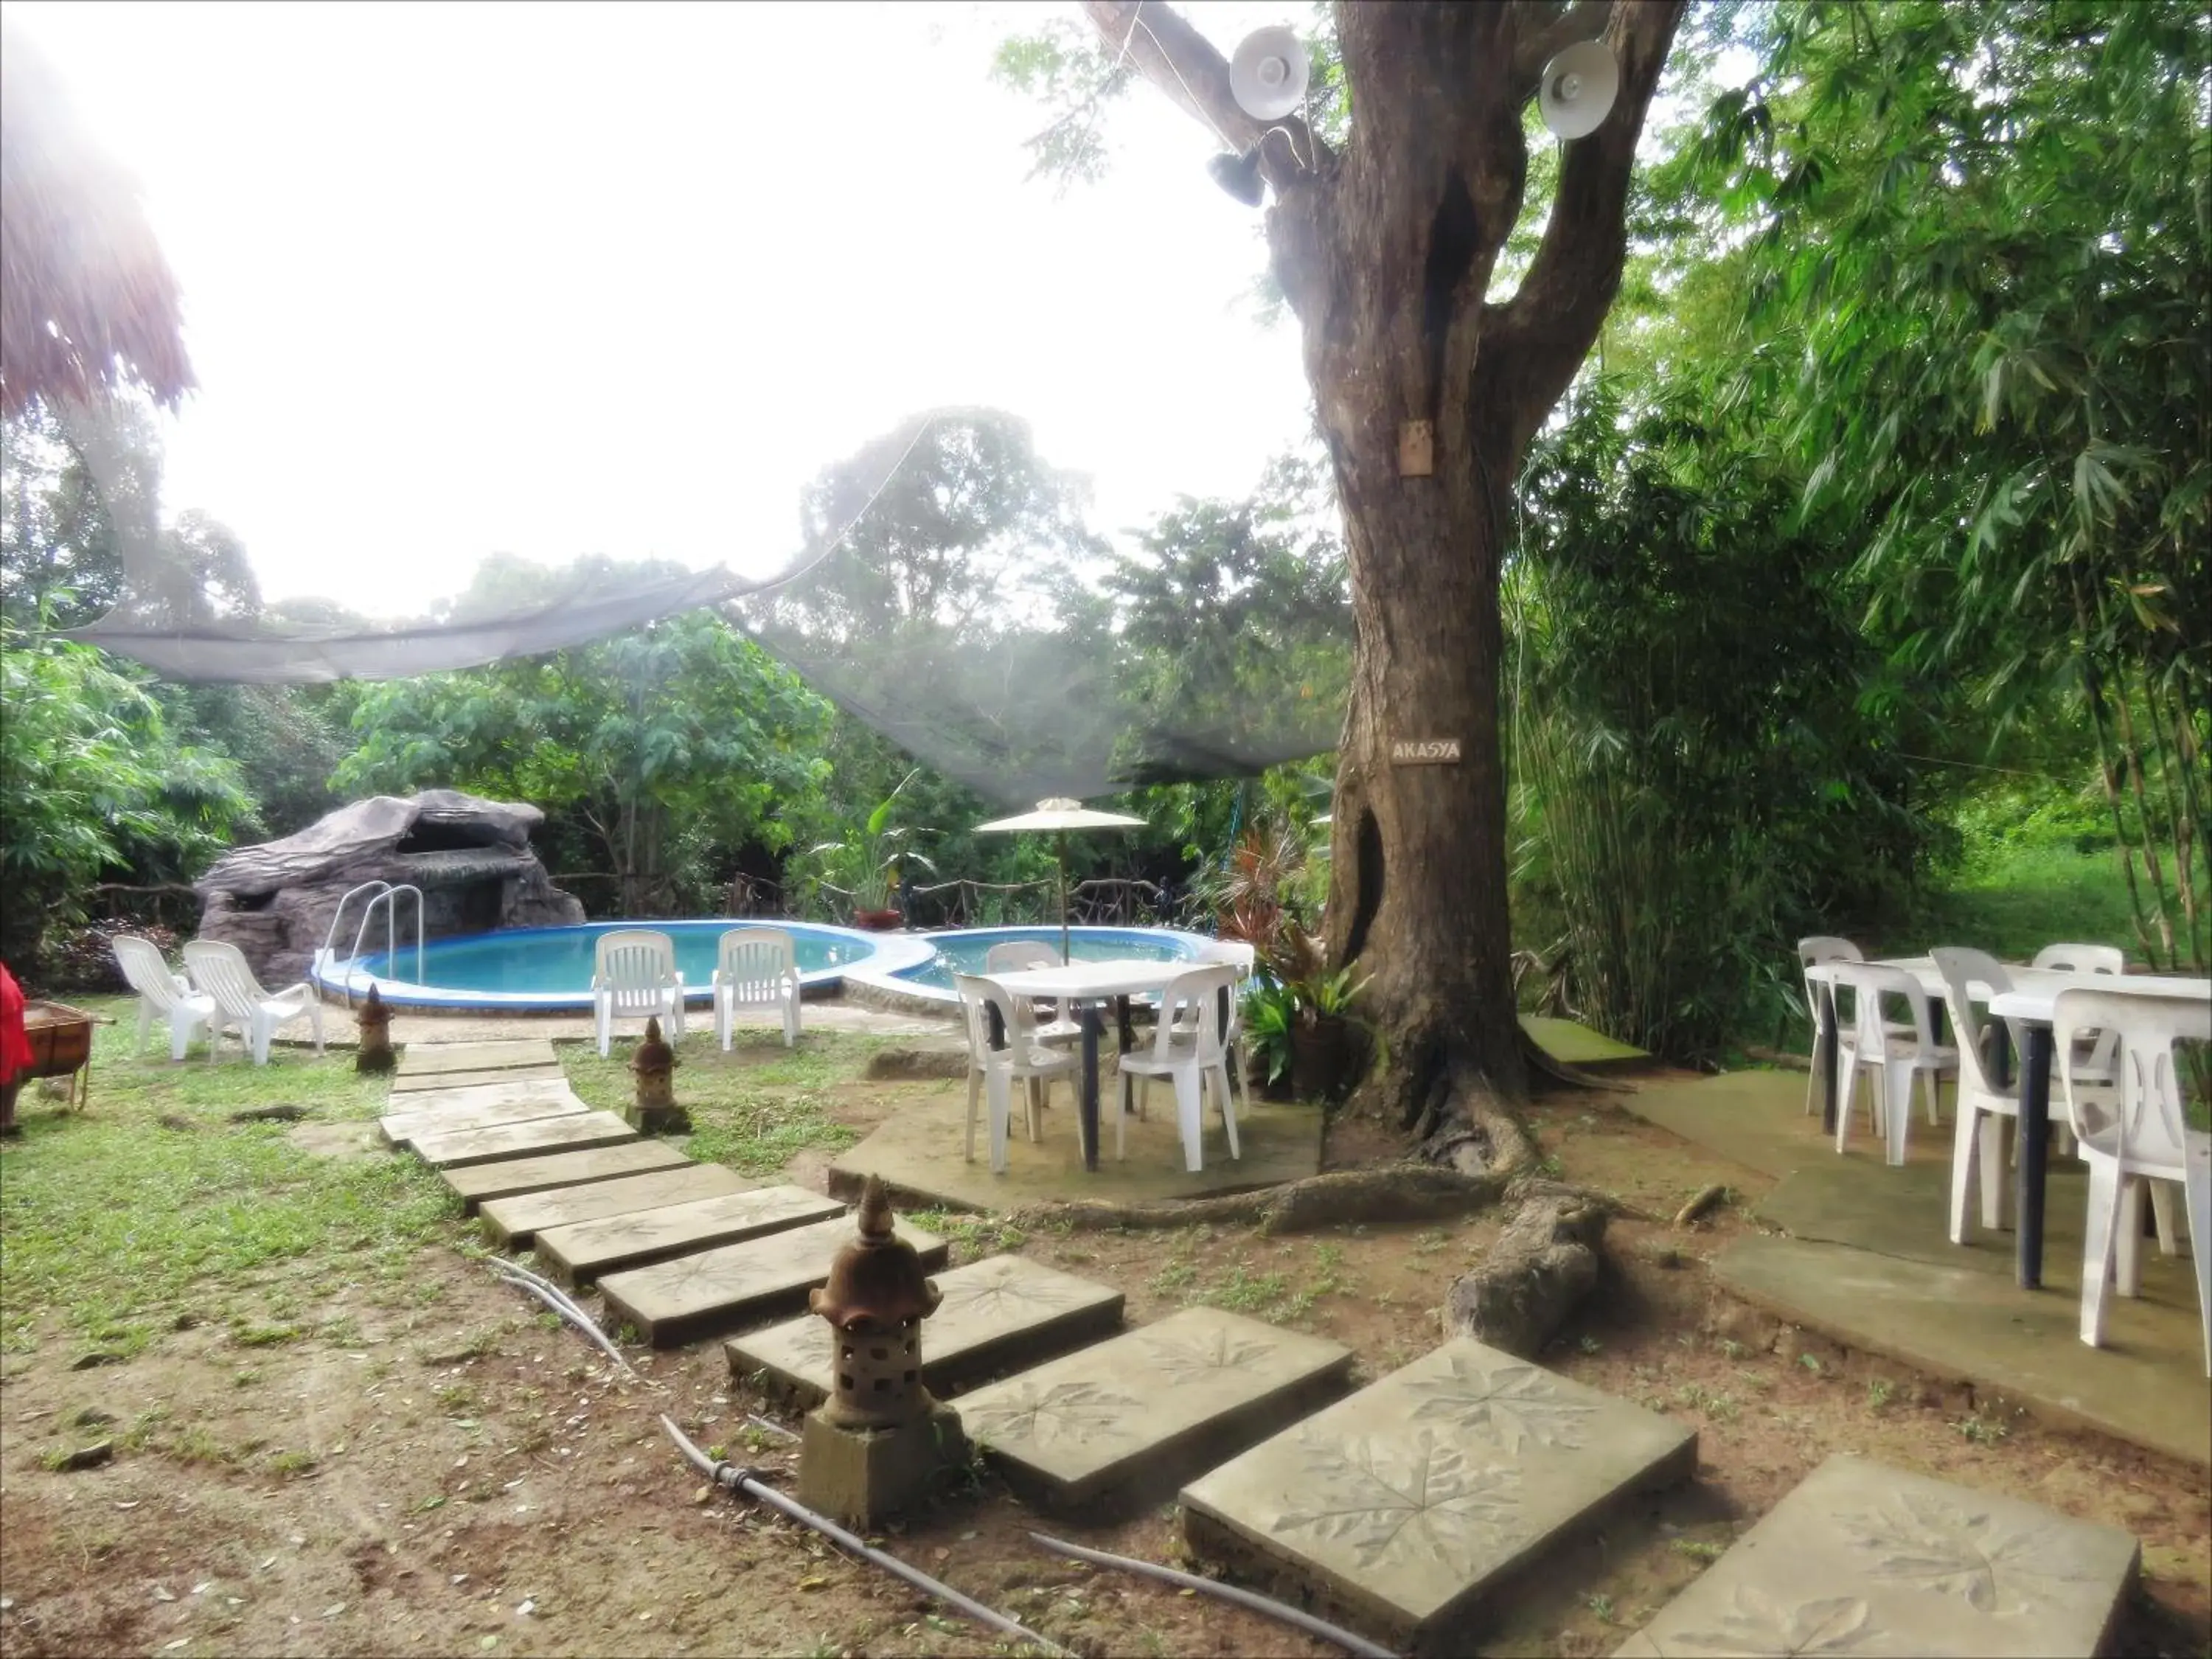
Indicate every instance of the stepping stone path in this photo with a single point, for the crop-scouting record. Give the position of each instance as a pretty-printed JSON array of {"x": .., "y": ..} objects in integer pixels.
[
  {"x": 1404, "y": 1504},
  {"x": 442, "y": 1057},
  {"x": 572, "y": 1133},
  {"x": 1865, "y": 1559},
  {"x": 997, "y": 1315},
  {"x": 1128, "y": 1420},
  {"x": 484, "y": 1109},
  {"x": 583, "y": 1250},
  {"x": 478, "y": 1184},
  {"x": 513, "y": 1222},
  {"x": 424, "y": 1082},
  {"x": 738, "y": 1285},
  {"x": 1400, "y": 1508}
]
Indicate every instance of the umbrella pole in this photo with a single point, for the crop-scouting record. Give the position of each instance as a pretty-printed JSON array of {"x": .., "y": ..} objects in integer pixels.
[{"x": 1064, "y": 957}]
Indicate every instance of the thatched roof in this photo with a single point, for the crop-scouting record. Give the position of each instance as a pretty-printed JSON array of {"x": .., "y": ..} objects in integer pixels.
[{"x": 86, "y": 299}]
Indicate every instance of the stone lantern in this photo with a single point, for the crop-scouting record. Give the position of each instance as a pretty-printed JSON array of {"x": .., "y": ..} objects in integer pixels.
[
  {"x": 872, "y": 1447},
  {"x": 655, "y": 1111},
  {"x": 374, "y": 1023}
]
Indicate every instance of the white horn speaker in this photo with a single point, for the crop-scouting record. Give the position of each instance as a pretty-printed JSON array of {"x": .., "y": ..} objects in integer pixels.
[
  {"x": 1267, "y": 75},
  {"x": 1579, "y": 86}
]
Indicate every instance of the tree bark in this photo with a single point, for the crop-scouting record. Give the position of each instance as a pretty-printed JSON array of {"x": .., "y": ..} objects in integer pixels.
[{"x": 1385, "y": 253}]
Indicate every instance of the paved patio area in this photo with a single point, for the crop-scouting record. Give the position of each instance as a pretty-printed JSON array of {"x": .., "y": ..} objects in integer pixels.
[{"x": 1863, "y": 1258}]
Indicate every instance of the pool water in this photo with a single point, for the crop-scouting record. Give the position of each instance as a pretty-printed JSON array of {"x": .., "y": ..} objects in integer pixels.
[
  {"x": 547, "y": 968},
  {"x": 967, "y": 951}
]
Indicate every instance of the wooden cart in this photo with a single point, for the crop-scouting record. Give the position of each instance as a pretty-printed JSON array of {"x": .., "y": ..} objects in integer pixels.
[{"x": 61, "y": 1046}]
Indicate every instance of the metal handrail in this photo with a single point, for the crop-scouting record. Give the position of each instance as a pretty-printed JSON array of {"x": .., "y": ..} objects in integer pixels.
[
  {"x": 385, "y": 894},
  {"x": 330, "y": 934},
  {"x": 389, "y": 899}
]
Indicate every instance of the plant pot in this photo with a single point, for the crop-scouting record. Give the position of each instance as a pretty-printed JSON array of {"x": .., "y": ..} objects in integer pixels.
[
  {"x": 1322, "y": 1056},
  {"x": 878, "y": 921}
]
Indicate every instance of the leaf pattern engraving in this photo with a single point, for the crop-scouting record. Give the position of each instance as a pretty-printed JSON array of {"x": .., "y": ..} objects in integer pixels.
[
  {"x": 1392, "y": 1502},
  {"x": 1046, "y": 1416},
  {"x": 1005, "y": 1292},
  {"x": 1515, "y": 1403},
  {"x": 1942, "y": 1546},
  {"x": 1185, "y": 1359},
  {"x": 1757, "y": 1626}
]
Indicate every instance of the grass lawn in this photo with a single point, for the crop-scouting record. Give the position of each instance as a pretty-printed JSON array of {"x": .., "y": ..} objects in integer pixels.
[
  {"x": 152, "y": 1201},
  {"x": 2017, "y": 900}
]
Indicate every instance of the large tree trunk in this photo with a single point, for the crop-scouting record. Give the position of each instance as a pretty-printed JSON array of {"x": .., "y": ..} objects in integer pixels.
[{"x": 1385, "y": 252}]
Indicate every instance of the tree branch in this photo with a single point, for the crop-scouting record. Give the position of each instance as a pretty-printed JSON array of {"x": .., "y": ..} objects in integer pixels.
[
  {"x": 1542, "y": 334},
  {"x": 1549, "y": 29},
  {"x": 1188, "y": 67}
]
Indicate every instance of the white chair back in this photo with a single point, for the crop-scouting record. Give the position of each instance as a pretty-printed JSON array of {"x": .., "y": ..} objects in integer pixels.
[
  {"x": 146, "y": 971},
  {"x": 221, "y": 969},
  {"x": 2082, "y": 958},
  {"x": 1869, "y": 984},
  {"x": 634, "y": 966},
  {"x": 1190, "y": 1010},
  {"x": 2152, "y": 1128},
  {"x": 1962, "y": 968},
  {"x": 757, "y": 963},
  {"x": 1011, "y": 956},
  {"x": 978, "y": 997},
  {"x": 1238, "y": 953}
]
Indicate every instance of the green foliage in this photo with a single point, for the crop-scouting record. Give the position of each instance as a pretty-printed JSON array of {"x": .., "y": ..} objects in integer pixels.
[
  {"x": 1977, "y": 238},
  {"x": 865, "y": 866},
  {"x": 663, "y": 752},
  {"x": 1270, "y": 1013},
  {"x": 93, "y": 782},
  {"x": 1694, "y": 775}
]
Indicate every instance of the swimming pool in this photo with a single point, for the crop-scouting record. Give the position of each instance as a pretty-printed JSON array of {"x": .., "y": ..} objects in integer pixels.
[
  {"x": 548, "y": 969},
  {"x": 965, "y": 950}
]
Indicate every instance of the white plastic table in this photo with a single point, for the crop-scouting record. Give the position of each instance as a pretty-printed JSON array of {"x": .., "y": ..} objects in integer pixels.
[
  {"x": 1090, "y": 986},
  {"x": 2034, "y": 990}
]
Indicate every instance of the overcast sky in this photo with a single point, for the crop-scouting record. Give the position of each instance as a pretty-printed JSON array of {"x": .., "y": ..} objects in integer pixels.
[{"x": 551, "y": 279}]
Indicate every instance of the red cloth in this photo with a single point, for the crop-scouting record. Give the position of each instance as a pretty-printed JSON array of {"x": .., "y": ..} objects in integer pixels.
[{"x": 15, "y": 1044}]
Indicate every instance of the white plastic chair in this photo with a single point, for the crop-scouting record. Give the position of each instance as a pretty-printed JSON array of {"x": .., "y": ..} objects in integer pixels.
[
  {"x": 161, "y": 992},
  {"x": 634, "y": 977},
  {"x": 2142, "y": 1136},
  {"x": 1187, "y": 1050},
  {"x": 994, "y": 1069},
  {"x": 1240, "y": 955},
  {"x": 1895, "y": 1053},
  {"x": 240, "y": 1003},
  {"x": 2099, "y": 1048},
  {"x": 1012, "y": 956},
  {"x": 756, "y": 968},
  {"x": 1980, "y": 1104},
  {"x": 1811, "y": 953}
]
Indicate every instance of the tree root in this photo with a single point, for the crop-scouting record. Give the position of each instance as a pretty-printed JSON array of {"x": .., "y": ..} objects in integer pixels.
[
  {"x": 1534, "y": 1277},
  {"x": 1390, "y": 1192}
]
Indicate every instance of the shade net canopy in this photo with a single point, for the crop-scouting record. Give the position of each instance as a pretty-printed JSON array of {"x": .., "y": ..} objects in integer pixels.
[{"x": 949, "y": 594}]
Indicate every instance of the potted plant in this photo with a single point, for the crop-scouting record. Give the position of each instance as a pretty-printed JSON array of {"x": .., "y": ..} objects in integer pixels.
[
  {"x": 865, "y": 866},
  {"x": 1323, "y": 1054}
]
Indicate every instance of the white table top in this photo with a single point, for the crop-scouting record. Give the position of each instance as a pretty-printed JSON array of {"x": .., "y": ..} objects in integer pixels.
[
  {"x": 2033, "y": 989},
  {"x": 1093, "y": 981}
]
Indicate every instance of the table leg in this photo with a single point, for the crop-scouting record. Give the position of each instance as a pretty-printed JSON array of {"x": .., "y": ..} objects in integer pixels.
[
  {"x": 1824, "y": 1054},
  {"x": 2034, "y": 1136},
  {"x": 1123, "y": 1028},
  {"x": 1094, "y": 1027},
  {"x": 2003, "y": 1046}
]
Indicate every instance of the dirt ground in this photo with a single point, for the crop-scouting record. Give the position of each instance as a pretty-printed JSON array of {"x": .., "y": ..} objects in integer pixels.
[{"x": 456, "y": 1478}]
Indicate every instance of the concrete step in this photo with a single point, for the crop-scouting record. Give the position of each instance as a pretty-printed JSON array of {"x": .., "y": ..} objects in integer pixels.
[
  {"x": 512, "y": 1223},
  {"x": 582, "y": 1251},
  {"x": 419, "y": 1057},
  {"x": 997, "y": 1315},
  {"x": 477, "y": 1109},
  {"x": 478, "y": 1184},
  {"x": 573, "y": 1134},
  {"x": 1860, "y": 1558},
  {"x": 1128, "y": 1420},
  {"x": 416, "y": 1082},
  {"x": 736, "y": 1285},
  {"x": 1403, "y": 1506}
]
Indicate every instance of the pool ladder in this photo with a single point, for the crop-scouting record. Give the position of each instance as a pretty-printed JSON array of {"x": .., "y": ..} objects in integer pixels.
[{"x": 381, "y": 894}]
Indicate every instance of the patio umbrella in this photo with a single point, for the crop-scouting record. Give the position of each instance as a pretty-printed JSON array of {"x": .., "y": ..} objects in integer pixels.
[{"x": 1060, "y": 814}]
